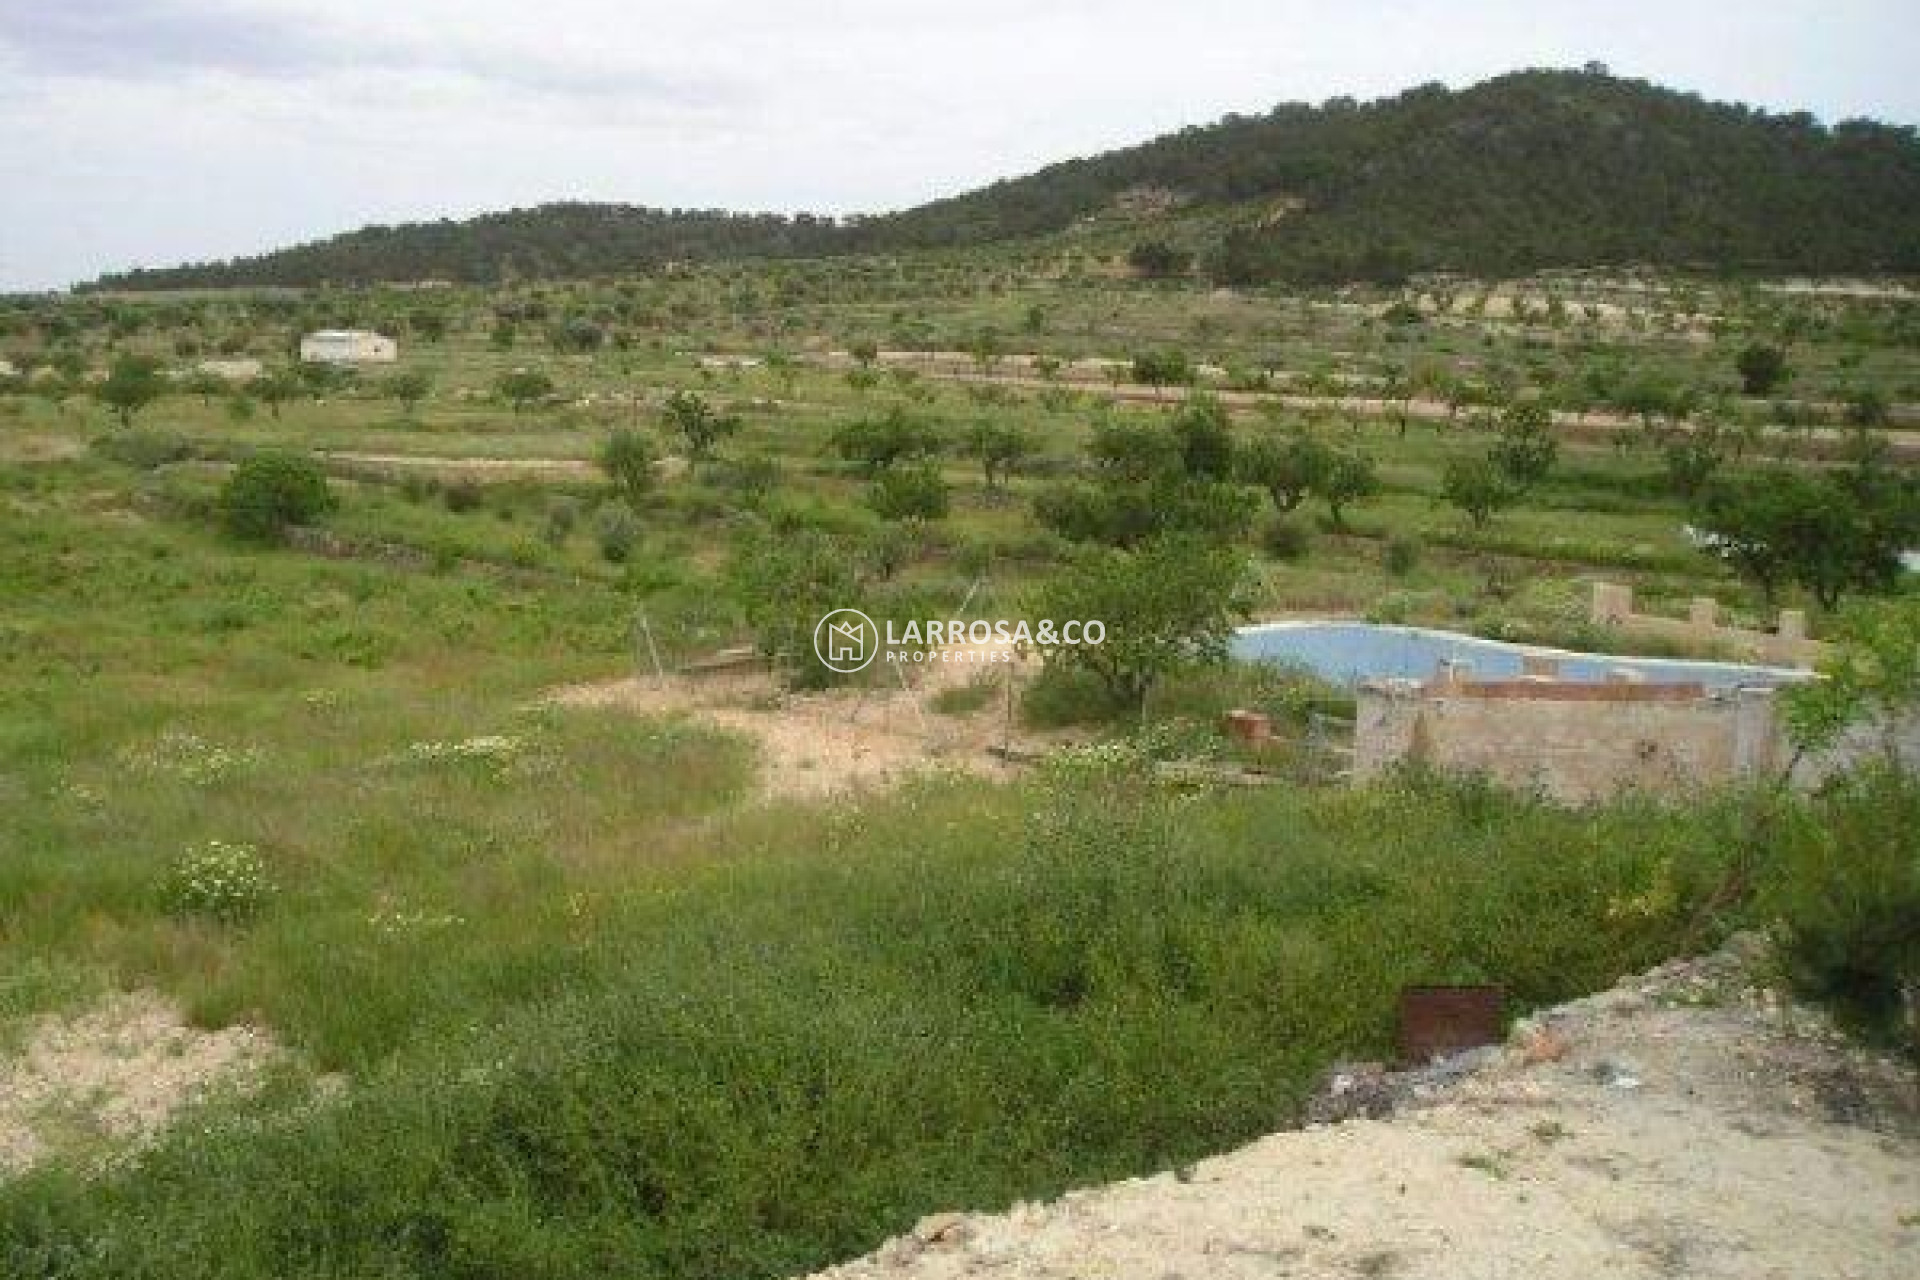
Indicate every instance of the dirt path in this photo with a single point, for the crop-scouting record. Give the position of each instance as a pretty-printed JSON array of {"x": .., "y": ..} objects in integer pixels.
[
  {"x": 483, "y": 470},
  {"x": 1594, "y": 427},
  {"x": 478, "y": 468},
  {"x": 27, "y": 447},
  {"x": 1683, "y": 1124},
  {"x": 86, "y": 1085},
  {"x": 813, "y": 745}
]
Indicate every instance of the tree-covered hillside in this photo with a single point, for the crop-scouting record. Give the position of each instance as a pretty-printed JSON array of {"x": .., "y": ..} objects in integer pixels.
[
  {"x": 1546, "y": 170},
  {"x": 1530, "y": 170},
  {"x": 553, "y": 241}
]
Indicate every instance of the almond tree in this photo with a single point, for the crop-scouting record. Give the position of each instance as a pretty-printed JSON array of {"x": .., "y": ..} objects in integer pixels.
[
  {"x": 131, "y": 384},
  {"x": 698, "y": 423}
]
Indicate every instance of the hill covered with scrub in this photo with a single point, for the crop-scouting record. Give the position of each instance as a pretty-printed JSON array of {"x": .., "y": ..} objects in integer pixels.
[{"x": 1529, "y": 170}]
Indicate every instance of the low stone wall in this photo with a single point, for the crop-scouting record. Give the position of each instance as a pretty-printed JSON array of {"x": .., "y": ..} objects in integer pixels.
[
  {"x": 1576, "y": 742},
  {"x": 1786, "y": 646}
]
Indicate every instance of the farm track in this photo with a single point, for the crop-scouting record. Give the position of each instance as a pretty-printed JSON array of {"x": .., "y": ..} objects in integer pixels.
[
  {"x": 488, "y": 467},
  {"x": 1817, "y": 443}
]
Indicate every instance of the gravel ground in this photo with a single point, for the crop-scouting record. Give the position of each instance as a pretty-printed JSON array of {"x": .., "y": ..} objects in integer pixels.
[
  {"x": 816, "y": 745},
  {"x": 88, "y": 1085},
  {"x": 1687, "y": 1123}
]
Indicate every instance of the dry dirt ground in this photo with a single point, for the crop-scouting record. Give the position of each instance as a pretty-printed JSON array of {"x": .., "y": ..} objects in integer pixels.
[
  {"x": 1686, "y": 1123},
  {"x": 30, "y": 447},
  {"x": 476, "y": 469},
  {"x": 483, "y": 470},
  {"x": 84, "y": 1086},
  {"x": 813, "y": 745}
]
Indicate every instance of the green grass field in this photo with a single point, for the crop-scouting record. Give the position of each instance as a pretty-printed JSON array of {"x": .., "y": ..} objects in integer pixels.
[{"x": 598, "y": 1006}]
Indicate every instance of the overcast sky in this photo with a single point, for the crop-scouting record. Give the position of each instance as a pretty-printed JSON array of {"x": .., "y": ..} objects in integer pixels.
[{"x": 150, "y": 132}]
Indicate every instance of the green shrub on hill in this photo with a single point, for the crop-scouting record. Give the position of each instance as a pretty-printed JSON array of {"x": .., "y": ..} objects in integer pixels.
[{"x": 269, "y": 493}]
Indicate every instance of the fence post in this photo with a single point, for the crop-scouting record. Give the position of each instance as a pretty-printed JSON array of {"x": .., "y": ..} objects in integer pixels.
[{"x": 645, "y": 629}]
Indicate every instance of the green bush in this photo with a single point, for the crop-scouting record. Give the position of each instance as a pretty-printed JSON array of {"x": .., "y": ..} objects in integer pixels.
[
  {"x": 1285, "y": 538},
  {"x": 225, "y": 882},
  {"x": 804, "y": 513},
  {"x": 562, "y": 517},
  {"x": 269, "y": 493},
  {"x": 1062, "y": 696},
  {"x": 462, "y": 496},
  {"x": 785, "y": 582},
  {"x": 1166, "y": 608},
  {"x": 974, "y": 555},
  {"x": 143, "y": 447},
  {"x": 617, "y": 530},
  {"x": 1393, "y": 608},
  {"x": 909, "y": 493},
  {"x": 751, "y": 479},
  {"x": 1401, "y": 555},
  {"x": 1844, "y": 889},
  {"x": 630, "y": 459},
  {"x": 891, "y": 548}
]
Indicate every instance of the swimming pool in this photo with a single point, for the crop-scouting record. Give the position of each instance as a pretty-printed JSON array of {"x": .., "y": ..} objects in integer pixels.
[{"x": 1349, "y": 652}]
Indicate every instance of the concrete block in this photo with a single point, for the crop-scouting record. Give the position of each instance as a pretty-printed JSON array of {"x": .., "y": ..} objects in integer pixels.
[{"x": 1248, "y": 726}]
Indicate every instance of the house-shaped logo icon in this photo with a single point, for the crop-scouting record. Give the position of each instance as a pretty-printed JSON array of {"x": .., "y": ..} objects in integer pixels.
[{"x": 846, "y": 640}]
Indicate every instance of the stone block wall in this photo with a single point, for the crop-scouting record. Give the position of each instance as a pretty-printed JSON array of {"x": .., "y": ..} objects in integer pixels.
[
  {"x": 1576, "y": 742},
  {"x": 1787, "y": 645}
]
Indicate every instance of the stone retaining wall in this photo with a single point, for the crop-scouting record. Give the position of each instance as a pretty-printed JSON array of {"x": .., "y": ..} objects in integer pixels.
[
  {"x": 1577, "y": 742},
  {"x": 1786, "y": 646},
  {"x": 1580, "y": 742}
]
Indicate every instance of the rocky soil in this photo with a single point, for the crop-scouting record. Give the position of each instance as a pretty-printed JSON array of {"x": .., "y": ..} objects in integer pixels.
[
  {"x": 87, "y": 1086},
  {"x": 816, "y": 745},
  {"x": 1689, "y": 1122}
]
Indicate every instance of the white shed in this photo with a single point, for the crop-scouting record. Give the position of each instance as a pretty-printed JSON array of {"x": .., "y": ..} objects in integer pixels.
[{"x": 349, "y": 346}]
